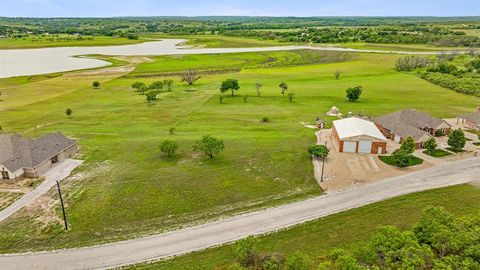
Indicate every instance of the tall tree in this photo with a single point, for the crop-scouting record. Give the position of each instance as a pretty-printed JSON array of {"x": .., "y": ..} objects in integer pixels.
[
  {"x": 229, "y": 85},
  {"x": 430, "y": 145},
  {"x": 319, "y": 151}
]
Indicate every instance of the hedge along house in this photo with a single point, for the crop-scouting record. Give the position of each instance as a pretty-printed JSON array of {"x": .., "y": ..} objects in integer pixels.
[
  {"x": 22, "y": 157},
  {"x": 355, "y": 135},
  {"x": 400, "y": 125}
]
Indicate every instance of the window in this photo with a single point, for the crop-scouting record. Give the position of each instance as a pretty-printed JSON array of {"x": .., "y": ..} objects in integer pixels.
[
  {"x": 54, "y": 159},
  {"x": 5, "y": 175}
]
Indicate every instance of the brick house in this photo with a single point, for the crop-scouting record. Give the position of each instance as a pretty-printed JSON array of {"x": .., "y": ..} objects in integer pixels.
[
  {"x": 400, "y": 125},
  {"x": 22, "y": 157},
  {"x": 356, "y": 135}
]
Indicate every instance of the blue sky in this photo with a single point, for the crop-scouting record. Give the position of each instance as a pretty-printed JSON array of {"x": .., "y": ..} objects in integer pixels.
[{"x": 109, "y": 8}]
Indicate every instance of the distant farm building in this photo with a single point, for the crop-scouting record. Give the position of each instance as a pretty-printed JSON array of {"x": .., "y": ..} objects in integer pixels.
[
  {"x": 355, "y": 135},
  {"x": 22, "y": 157}
]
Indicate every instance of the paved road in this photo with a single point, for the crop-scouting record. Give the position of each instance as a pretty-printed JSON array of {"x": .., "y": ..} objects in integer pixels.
[
  {"x": 237, "y": 227},
  {"x": 58, "y": 173}
]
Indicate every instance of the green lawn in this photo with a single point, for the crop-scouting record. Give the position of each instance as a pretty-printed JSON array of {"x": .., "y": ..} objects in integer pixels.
[
  {"x": 37, "y": 41},
  {"x": 412, "y": 160},
  {"x": 129, "y": 189},
  {"x": 437, "y": 153},
  {"x": 453, "y": 150},
  {"x": 345, "y": 230}
]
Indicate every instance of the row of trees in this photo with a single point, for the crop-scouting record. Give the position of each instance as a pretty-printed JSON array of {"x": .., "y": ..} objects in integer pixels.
[
  {"x": 209, "y": 145},
  {"x": 437, "y": 241},
  {"x": 154, "y": 89},
  {"x": 401, "y": 156},
  {"x": 232, "y": 85}
]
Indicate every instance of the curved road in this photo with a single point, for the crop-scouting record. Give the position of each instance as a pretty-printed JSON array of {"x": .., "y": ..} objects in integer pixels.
[{"x": 224, "y": 231}]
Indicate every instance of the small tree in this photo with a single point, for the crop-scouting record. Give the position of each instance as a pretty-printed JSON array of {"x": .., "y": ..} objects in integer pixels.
[
  {"x": 291, "y": 97},
  {"x": 96, "y": 84},
  {"x": 209, "y": 145},
  {"x": 319, "y": 151},
  {"x": 245, "y": 251},
  {"x": 430, "y": 145},
  {"x": 409, "y": 145},
  {"x": 151, "y": 95},
  {"x": 456, "y": 139},
  {"x": 284, "y": 87},
  {"x": 168, "y": 84},
  {"x": 190, "y": 76},
  {"x": 171, "y": 130},
  {"x": 258, "y": 86},
  {"x": 220, "y": 99},
  {"x": 245, "y": 97},
  {"x": 68, "y": 112},
  {"x": 229, "y": 85},
  {"x": 168, "y": 147},
  {"x": 157, "y": 85},
  {"x": 299, "y": 261},
  {"x": 353, "y": 93},
  {"x": 401, "y": 158},
  {"x": 138, "y": 85},
  {"x": 337, "y": 74}
]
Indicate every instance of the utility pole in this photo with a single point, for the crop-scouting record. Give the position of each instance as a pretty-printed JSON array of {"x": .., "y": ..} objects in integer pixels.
[
  {"x": 63, "y": 207},
  {"x": 323, "y": 165}
]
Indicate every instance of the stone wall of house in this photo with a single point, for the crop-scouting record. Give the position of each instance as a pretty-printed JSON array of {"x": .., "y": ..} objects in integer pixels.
[{"x": 44, "y": 167}]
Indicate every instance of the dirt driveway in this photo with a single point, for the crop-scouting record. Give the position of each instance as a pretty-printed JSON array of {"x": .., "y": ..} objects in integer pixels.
[{"x": 347, "y": 170}]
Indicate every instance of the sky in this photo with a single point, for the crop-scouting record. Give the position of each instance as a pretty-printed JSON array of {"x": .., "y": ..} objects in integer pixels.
[{"x": 112, "y": 8}]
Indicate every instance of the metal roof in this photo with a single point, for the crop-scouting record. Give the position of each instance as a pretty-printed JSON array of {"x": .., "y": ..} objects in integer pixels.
[{"x": 354, "y": 127}]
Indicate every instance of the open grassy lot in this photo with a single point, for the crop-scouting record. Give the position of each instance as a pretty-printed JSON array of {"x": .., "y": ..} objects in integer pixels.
[
  {"x": 42, "y": 41},
  {"x": 7, "y": 198},
  {"x": 127, "y": 188},
  {"x": 344, "y": 230}
]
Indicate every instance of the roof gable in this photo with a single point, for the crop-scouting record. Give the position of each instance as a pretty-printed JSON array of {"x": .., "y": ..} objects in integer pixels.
[{"x": 17, "y": 152}]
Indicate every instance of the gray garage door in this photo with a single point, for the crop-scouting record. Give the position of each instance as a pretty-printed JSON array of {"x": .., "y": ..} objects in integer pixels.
[
  {"x": 349, "y": 147},
  {"x": 365, "y": 147}
]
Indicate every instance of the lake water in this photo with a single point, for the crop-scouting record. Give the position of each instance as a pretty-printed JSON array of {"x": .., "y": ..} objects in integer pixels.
[{"x": 23, "y": 62}]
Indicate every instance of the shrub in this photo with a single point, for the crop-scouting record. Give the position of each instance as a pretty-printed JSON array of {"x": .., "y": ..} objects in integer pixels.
[
  {"x": 401, "y": 158},
  {"x": 353, "y": 93},
  {"x": 299, "y": 261},
  {"x": 265, "y": 119},
  {"x": 409, "y": 63},
  {"x": 168, "y": 147},
  {"x": 96, "y": 84},
  {"x": 439, "y": 133}
]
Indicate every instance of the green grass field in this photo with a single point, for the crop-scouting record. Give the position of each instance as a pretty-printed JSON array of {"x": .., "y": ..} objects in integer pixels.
[
  {"x": 129, "y": 189},
  {"x": 345, "y": 230},
  {"x": 63, "y": 41}
]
